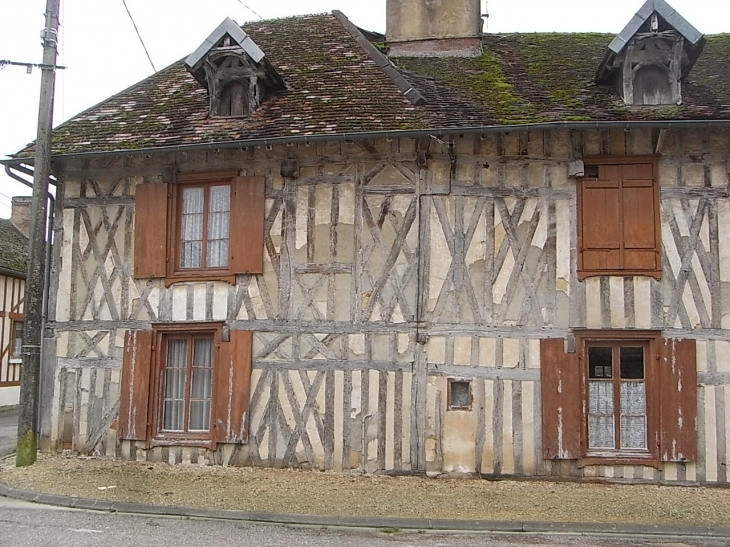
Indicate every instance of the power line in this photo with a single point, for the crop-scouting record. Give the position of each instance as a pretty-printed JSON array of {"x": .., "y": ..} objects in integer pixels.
[
  {"x": 139, "y": 35},
  {"x": 249, "y": 9},
  {"x": 30, "y": 66}
]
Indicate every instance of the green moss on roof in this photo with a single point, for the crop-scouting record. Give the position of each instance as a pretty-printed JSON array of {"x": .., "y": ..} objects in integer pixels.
[
  {"x": 713, "y": 66},
  {"x": 563, "y": 65},
  {"x": 13, "y": 248},
  {"x": 480, "y": 78},
  {"x": 525, "y": 78}
]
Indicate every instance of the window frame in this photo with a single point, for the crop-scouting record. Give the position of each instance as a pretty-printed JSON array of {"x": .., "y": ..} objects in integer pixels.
[
  {"x": 13, "y": 357},
  {"x": 175, "y": 273},
  {"x": 158, "y": 436},
  {"x": 450, "y": 404},
  {"x": 597, "y": 161},
  {"x": 651, "y": 341}
]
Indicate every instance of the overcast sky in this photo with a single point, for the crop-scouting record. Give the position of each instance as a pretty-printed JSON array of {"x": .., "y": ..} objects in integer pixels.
[{"x": 99, "y": 46}]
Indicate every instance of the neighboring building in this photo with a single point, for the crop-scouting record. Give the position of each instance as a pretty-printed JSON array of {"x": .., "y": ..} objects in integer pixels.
[
  {"x": 495, "y": 254},
  {"x": 13, "y": 265}
]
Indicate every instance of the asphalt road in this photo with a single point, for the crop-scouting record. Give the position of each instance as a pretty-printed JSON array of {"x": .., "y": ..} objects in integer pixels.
[
  {"x": 32, "y": 525},
  {"x": 8, "y": 431}
]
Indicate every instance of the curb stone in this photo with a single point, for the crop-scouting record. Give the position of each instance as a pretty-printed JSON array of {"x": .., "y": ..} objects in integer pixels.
[{"x": 526, "y": 527}]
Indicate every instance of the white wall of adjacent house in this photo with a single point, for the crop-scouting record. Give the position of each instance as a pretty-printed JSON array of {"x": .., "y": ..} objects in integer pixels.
[
  {"x": 12, "y": 290},
  {"x": 9, "y": 396}
]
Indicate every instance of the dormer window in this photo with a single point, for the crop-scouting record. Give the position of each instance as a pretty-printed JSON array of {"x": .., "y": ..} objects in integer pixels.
[
  {"x": 234, "y": 70},
  {"x": 651, "y": 86},
  {"x": 652, "y": 56}
]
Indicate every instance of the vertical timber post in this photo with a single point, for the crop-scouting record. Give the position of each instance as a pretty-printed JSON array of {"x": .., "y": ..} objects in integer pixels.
[{"x": 35, "y": 283}]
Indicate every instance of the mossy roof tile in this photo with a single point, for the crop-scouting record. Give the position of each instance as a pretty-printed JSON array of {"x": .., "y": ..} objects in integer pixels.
[
  {"x": 13, "y": 248},
  {"x": 334, "y": 87}
]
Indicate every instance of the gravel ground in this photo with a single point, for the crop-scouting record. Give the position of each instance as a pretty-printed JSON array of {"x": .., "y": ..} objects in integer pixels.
[{"x": 308, "y": 492}]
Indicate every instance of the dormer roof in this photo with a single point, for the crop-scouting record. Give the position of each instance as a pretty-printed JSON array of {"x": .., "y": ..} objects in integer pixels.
[
  {"x": 239, "y": 38},
  {"x": 694, "y": 39},
  {"x": 668, "y": 13},
  {"x": 234, "y": 70}
]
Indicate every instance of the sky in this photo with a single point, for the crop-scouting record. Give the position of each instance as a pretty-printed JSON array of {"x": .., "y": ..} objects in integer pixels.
[{"x": 103, "y": 54}]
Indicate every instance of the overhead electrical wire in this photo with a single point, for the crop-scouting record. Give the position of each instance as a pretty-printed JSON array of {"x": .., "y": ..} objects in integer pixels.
[
  {"x": 139, "y": 35},
  {"x": 249, "y": 9}
]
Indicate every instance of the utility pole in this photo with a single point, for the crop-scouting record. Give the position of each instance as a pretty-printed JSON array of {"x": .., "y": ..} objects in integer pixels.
[{"x": 35, "y": 281}]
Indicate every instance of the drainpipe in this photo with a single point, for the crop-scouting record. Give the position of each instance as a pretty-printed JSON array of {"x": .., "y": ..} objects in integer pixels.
[{"x": 49, "y": 243}]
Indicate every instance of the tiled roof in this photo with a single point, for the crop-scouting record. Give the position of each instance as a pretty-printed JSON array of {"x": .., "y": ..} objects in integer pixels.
[
  {"x": 335, "y": 87},
  {"x": 530, "y": 78},
  {"x": 13, "y": 248}
]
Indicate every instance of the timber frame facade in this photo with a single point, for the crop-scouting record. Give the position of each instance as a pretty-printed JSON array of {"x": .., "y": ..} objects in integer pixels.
[
  {"x": 398, "y": 271},
  {"x": 383, "y": 280}
]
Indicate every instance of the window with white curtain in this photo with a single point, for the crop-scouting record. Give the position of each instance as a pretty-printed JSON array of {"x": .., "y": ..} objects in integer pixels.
[
  {"x": 187, "y": 379},
  {"x": 204, "y": 226},
  {"x": 617, "y": 409}
]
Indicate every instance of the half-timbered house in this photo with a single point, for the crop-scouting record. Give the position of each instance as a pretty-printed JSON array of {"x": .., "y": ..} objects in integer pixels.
[
  {"x": 436, "y": 251},
  {"x": 13, "y": 265}
]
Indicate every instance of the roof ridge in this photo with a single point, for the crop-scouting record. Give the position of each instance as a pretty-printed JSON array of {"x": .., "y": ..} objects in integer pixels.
[
  {"x": 381, "y": 61},
  {"x": 12, "y": 224}
]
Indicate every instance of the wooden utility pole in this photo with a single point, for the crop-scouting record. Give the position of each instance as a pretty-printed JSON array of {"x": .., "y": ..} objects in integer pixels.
[{"x": 35, "y": 281}]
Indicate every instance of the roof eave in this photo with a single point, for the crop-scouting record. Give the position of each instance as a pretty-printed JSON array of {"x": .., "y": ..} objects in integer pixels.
[{"x": 433, "y": 132}]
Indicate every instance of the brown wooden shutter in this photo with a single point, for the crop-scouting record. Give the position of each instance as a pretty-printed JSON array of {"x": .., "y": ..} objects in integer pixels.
[
  {"x": 150, "y": 230},
  {"x": 133, "y": 408},
  {"x": 247, "y": 225},
  {"x": 233, "y": 381},
  {"x": 678, "y": 400},
  {"x": 600, "y": 221},
  {"x": 560, "y": 380},
  {"x": 639, "y": 217}
]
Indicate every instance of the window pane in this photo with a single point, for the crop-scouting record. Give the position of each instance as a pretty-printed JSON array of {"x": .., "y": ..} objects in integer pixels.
[
  {"x": 173, "y": 405},
  {"x": 460, "y": 394},
  {"x": 633, "y": 415},
  {"x": 173, "y": 413},
  {"x": 218, "y": 226},
  {"x": 600, "y": 432},
  {"x": 199, "y": 415},
  {"x": 600, "y": 362},
  {"x": 200, "y": 389},
  {"x": 600, "y": 398},
  {"x": 191, "y": 228},
  {"x": 633, "y": 399},
  {"x": 633, "y": 432},
  {"x": 203, "y": 352},
  {"x": 600, "y": 415},
  {"x": 632, "y": 363},
  {"x": 17, "y": 338}
]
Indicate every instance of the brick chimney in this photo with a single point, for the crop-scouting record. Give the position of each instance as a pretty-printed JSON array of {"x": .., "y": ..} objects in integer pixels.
[
  {"x": 433, "y": 27},
  {"x": 20, "y": 214}
]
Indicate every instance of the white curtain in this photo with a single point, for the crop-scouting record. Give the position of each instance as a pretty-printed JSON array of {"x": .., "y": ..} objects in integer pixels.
[
  {"x": 633, "y": 415},
  {"x": 218, "y": 227},
  {"x": 600, "y": 415},
  {"x": 174, "y": 404},
  {"x": 191, "y": 229},
  {"x": 200, "y": 388}
]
